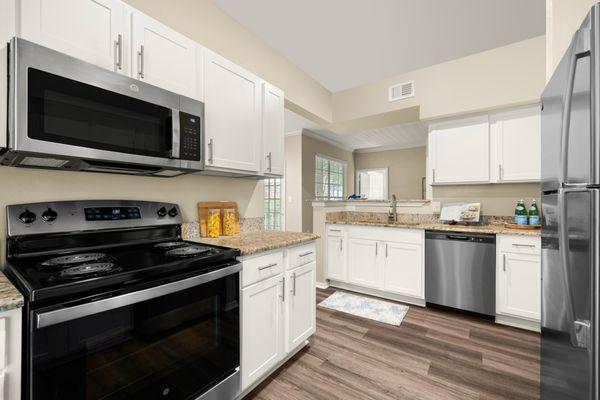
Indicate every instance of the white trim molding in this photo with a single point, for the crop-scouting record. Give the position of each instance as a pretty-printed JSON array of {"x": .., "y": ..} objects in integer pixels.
[{"x": 322, "y": 285}]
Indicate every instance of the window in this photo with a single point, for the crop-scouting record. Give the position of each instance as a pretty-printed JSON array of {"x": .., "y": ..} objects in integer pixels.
[
  {"x": 330, "y": 178},
  {"x": 372, "y": 183},
  {"x": 273, "y": 204}
]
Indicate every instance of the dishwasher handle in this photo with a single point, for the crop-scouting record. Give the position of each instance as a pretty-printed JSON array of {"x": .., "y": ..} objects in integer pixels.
[{"x": 458, "y": 237}]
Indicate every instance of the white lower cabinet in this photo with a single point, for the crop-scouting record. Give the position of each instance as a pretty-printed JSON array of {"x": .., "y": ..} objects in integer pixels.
[
  {"x": 388, "y": 260},
  {"x": 10, "y": 354},
  {"x": 262, "y": 328},
  {"x": 278, "y": 310},
  {"x": 363, "y": 262},
  {"x": 403, "y": 271},
  {"x": 301, "y": 305},
  {"x": 518, "y": 279}
]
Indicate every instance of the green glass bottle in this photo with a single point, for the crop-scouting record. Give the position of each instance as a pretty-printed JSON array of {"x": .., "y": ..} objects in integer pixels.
[
  {"x": 534, "y": 214},
  {"x": 520, "y": 213}
]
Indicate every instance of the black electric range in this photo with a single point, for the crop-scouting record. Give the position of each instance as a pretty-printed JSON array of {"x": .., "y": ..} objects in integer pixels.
[{"x": 107, "y": 278}]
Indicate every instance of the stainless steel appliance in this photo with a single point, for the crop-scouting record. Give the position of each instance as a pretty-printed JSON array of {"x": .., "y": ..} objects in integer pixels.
[
  {"x": 118, "y": 306},
  {"x": 68, "y": 114},
  {"x": 570, "y": 220},
  {"x": 460, "y": 271}
]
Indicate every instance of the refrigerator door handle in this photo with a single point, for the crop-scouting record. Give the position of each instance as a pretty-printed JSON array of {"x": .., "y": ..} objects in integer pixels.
[
  {"x": 579, "y": 330},
  {"x": 579, "y": 50}
]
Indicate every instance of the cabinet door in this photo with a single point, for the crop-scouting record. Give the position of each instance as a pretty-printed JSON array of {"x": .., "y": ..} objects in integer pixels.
[
  {"x": 163, "y": 57},
  {"x": 232, "y": 115},
  {"x": 459, "y": 151},
  {"x": 85, "y": 29},
  {"x": 336, "y": 258},
  {"x": 262, "y": 328},
  {"x": 403, "y": 269},
  {"x": 272, "y": 127},
  {"x": 517, "y": 145},
  {"x": 519, "y": 285},
  {"x": 362, "y": 262},
  {"x": 301, "y": 305}
]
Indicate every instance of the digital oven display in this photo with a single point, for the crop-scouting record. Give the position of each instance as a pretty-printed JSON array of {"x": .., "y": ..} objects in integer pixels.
[{"x": 112, "y": 213}]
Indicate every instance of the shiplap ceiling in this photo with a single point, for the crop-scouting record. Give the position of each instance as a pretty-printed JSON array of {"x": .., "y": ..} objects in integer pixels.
[
  {"x": 346, "y": 43},
  {"x": 391, "y": 137}
]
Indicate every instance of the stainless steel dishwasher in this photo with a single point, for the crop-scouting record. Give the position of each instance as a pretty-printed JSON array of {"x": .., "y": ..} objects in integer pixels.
[{"x": 460, "y": 271}]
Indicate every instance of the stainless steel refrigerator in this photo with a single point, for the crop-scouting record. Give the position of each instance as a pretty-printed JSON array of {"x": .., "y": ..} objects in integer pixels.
[{"x": 570, "y": 220}]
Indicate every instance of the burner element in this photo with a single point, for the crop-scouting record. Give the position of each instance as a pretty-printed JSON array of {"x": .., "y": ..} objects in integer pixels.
[
  {"x": 188, "y": 251},
  {"x": 87, "y": 269},
  {"x": 74, "y": 259},
  {"x": 169, "y": 245}
]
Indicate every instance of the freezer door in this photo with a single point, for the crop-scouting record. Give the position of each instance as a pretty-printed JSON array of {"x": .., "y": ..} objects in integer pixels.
[
  {"x": 567, "y": 287},
  {"x": 567, "y": 118}
]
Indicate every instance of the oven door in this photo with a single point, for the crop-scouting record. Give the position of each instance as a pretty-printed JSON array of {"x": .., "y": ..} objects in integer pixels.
[
  {"x": 178, "y": 341},
  {"x": 67, "y": 108}
]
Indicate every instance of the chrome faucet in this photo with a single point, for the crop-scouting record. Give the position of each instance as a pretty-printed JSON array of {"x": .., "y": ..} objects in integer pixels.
[{"x": 393, "y": 213}]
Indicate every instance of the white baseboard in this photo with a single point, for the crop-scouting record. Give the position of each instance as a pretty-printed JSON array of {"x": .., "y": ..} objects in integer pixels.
[
  {"x": 518, "y": 322},
  {"x": 322, "y": 285},
  {"x": 378, "y": 293}
]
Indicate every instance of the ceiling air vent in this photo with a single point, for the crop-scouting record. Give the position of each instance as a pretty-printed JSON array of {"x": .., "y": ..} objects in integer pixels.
[{"x": 402, "y": 91}]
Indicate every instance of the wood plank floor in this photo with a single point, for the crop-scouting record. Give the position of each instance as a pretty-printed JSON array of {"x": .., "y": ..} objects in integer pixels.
[{"x": 434, "y": 354}]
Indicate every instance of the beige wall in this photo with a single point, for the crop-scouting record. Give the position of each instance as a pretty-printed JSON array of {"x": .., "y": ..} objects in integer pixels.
[
  {"x": 563, "y": 18},
  {"x": 29, "y": 185},
  {"x": 497, "y": 199},
  {"x": 501, "y": 77},
  {"x": 204, "y": 22},
  {"x": 293, "y": 183},
  {"x": 406, "y": 167},
  {"x": 310, "y": 148}
]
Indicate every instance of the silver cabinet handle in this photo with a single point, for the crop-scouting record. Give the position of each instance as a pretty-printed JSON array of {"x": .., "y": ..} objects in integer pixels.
[
  {"x": 141, "y": 62},
  {"x": 376, "y": 248},
  {"x": 500, "y": 171},
  {"x": 210, "y": 150},
  {"x": 334, "y": 230},
  {"x": 282, "y": 297},
  {"x": 504, "y": 262},
  {"x": 294, "y": 284},
  {"x": 269, "y": 157},
  {"x": 308, "y": 253},
  {"x": 267, "y": 266},
  {"x": 386, "y": 250},
  {"x": 433, "y": 175},
  {"x": 341, "y": 244},
  {"x": 119, "y": 52},
  {"x": 532, "y": 246}
]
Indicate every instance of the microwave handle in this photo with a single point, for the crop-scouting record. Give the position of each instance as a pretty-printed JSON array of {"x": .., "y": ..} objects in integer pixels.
[
  {"x": 175, "y": 134},
  {"x": 54, "y": 317}
]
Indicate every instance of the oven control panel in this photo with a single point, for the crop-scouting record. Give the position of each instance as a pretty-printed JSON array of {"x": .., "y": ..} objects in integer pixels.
[{"x": 190, "y": 133}]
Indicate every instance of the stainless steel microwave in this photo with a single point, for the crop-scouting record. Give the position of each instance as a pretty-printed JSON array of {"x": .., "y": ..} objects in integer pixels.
[{"x": 68, "y": 114}]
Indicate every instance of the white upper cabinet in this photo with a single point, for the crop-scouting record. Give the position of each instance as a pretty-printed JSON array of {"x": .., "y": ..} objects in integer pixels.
[
  {"x": 459, "y": 151},
  {"x": 163, "y": 57},
  {"x": 233, "y": 114},
  {"x": 516, "y": 145},
  {"x": 272, "y": 127},
  {"x": 91, "y": 30}
]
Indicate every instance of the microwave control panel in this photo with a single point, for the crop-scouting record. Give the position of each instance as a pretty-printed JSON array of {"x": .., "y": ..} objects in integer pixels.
[{"x": 190, "y": 130}]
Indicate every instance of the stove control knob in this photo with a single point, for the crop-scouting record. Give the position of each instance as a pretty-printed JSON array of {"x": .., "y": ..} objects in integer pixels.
[
  {"x": 49, "y": 215},
  {"x": 173, "y": 212},
  {"x": 27, "y": 217},
  {"x": 162, "y": 212}
]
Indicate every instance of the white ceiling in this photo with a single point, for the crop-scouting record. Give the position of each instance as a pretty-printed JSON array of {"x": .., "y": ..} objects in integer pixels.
[
  {"x": 391, "y": 137},
  {"x": 346, "y": 43}
]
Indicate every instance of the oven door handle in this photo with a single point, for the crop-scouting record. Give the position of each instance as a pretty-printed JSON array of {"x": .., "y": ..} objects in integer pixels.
[{"x": 54, "y": 317}]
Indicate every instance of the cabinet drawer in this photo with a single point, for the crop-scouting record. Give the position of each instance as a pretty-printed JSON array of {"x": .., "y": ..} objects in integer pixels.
[
  {"x": 519, "y": 244},
  {"x": 398, "y": 235},
  {"x": 301, "y": 255},
  {"x": 261, "y": 267},
  {"x": 335, "y": 230}
]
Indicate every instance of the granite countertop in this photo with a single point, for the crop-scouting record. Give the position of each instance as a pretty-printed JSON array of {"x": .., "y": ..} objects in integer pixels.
[
  {"x": 10, "y": 297},
  {"x": 259, "y": 241},
  {"x": 492, "y": 229}
]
